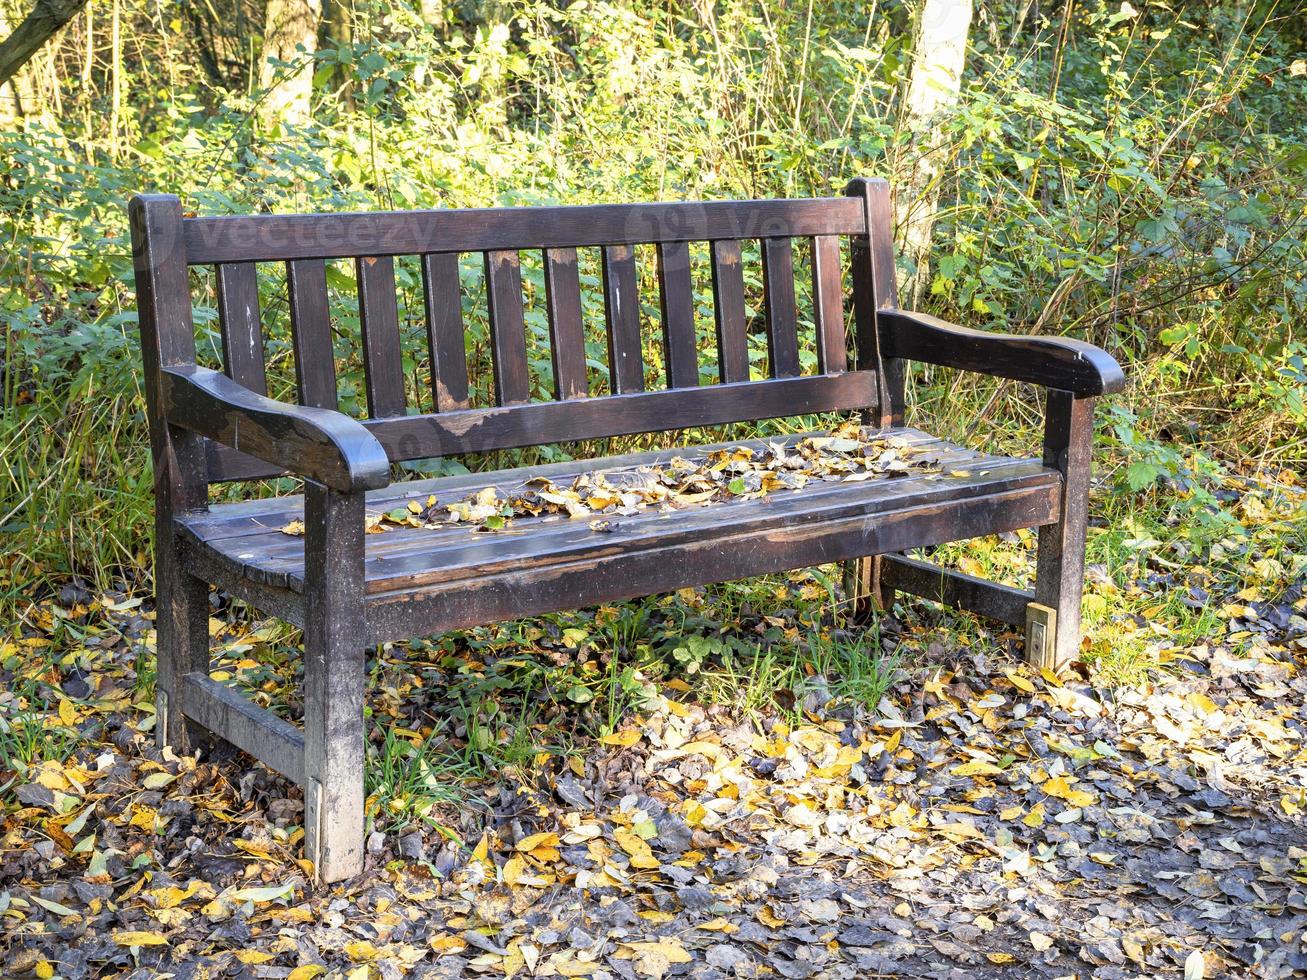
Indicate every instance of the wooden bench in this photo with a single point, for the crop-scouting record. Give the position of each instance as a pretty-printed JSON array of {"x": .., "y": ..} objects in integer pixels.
[{"x": 348, "y": 590}]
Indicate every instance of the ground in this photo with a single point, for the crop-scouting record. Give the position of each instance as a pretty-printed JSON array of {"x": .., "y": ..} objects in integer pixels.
[{"x": 734, "y": 781}]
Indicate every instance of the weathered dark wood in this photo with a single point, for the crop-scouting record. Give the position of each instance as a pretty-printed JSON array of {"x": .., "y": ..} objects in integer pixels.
[
  {"x": 622, "y": 317},
  {"x": 238, "y": 319},
  {"x": 312, "y": 442},
  {"x": 507, "y": 328},
  {"x": 451, "y": 433},
  {"x": 1054, "y": 362},
  {"x": 268, "y": 237},
  {"x": 334, "y": 680},
  {"x": 445, "y": 340},
  {"x": 345, "y": 588},
  {"x": 719, "y": 557},
  {"x": 676, "y": 304},
  {"x": 953, "y": 588},
  {"x": 728, "y": 311},
  {"x": 875, "y": 287},
  {"x": 310, "y": 326},
  {"x": 828, "y": 305},
  {"x": 383, "y": 365},
  {"x": 566, "y": 328},
  {"x": 252, "y": 729},
  {"x": 418, "y": 557},
  {"x": 180, "y": 486},
  {"x": 1060, "y": 568},
  {"x": 778, "y": 286}
]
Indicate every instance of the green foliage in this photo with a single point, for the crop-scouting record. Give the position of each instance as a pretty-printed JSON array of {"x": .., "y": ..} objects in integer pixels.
[{"x": 1139, "y": 186}]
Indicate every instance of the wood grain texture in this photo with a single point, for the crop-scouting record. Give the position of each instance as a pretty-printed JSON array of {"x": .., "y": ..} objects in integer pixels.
[
  {"x": 676, "y": 305},
  {"x": 316, "y": 443},
  {"x": 778, "y": 291},
  {"x": 383, "y": 364},
  {"x": 310, "y": 327},
  {"x": 1060, "y": 565},
  {"x": 957, "y": 589},
  {"x": 828, "y": 305},
  {"x": 267, "y": 237},
  {"x": 180, "y": 466},
  {"x": 728, "y": 311},
  {"x": 622, "y": 318},
  {"x": 446, "y": 343},
  {"x": 334, "y": 682},
  {"x": 238, "y": 321},
  {"x": 507, "y": 328},
  {"x": 273, "y": 741},
  {"x": 1053, "y": 362},
  {"x": 566, "y": 326}
]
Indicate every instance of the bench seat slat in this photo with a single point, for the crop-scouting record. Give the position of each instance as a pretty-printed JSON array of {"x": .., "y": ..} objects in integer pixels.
[{"x": 247, "y": 538}]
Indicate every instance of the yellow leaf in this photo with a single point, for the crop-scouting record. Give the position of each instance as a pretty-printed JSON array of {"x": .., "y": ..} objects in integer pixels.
[
  {"x": 67, "y": 713},
  {"x": 1035, "y": 818},
  {"x": 537, "y": 840},
  {"x": 361, "y": 951},
  {"x": 769, "y": 918},
  {"x": 253, "y": 957},
  {"x": 1000, "y": 958},
  {"x": 669, "y": 948},
  {"x": 977, "y": 768},
  {"x": 447, "y": 943},
  {"x": 514, "y": 869},
  {"x": 306, "y": 972},
  {"x": 1290, "y": 806},
  {"x": 1059, "y": 787},
  {"x": 720, "y": 925},
  {"x": 139, "y": 939},
  {"x": 481, "y": 850},
  {"x": 634, "y": 845},
  {"x": 1019, "y": 682},
  {"x": 624, "y": 739},
  {"x": 1010, "y": 813},
  {"x": 44, "y": 970}
]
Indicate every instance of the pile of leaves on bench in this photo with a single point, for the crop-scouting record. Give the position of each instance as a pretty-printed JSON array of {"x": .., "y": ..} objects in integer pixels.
[{"x": 849, "y": 453}]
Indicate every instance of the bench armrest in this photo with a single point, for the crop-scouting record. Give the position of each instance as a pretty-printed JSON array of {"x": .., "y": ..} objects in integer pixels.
[
  {"x": 1053, "y": 362},
  {"x": 315, "y": 443}
]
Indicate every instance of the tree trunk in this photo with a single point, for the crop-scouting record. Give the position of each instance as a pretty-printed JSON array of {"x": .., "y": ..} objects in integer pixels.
[
  {"x": 45, "y": 21},
  {"x": 290, "y": 39},
  {"x": 336, "y": 32},
  {"x": 933, "y": 88}
]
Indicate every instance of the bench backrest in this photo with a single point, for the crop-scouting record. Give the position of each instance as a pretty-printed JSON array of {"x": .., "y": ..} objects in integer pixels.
[{"x": 166, "y": 245}]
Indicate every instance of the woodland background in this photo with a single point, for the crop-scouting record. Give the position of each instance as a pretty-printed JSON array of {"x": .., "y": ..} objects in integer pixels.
[{"x": 1128, "y": 173}]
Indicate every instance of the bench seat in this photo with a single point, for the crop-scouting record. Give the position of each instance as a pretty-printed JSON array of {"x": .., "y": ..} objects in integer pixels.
[{"x": 458, "y": 576}]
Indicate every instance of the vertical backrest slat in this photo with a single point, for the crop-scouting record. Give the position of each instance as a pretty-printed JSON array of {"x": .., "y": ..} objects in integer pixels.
[
  {"x": 566, "y": 328},
  {"x": 507, "y": 327},
  {"x": 676, "y": 301},
  {"x": 444, "y": 303},
  {"x": 310, "y": 326},
  {"x": 871, "y": 258},
  {"x": 828, "y": 305},
  {"x": 379, "y": 317},
  {"x": 238, "y": 318},
  {"x": 728, "y": 306},
  {"x": 622, "y": 314},
  {"x": 778, "y": 284}
]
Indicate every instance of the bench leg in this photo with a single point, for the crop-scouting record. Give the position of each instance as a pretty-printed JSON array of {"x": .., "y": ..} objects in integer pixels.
[
  {"x": 334, "y": 682},
  {"x": 181, "y": 646},
  {"x": 1053, "y": 619},
  {"x": 866, "y": 587}
]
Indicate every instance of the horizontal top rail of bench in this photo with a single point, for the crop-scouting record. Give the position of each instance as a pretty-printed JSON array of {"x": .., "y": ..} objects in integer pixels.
[{"x": 276, "y": 238}]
